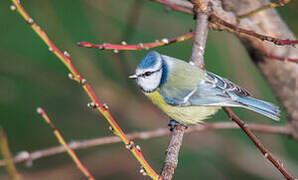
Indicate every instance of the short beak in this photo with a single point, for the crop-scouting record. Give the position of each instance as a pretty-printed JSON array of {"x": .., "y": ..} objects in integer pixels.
[{"x": 133, "y": 76}]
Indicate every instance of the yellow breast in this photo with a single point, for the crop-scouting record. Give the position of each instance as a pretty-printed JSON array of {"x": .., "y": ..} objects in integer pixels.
[{"x": 185, "y": 115}]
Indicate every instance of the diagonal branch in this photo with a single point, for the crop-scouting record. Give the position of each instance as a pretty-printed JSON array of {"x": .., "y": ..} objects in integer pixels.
[
  {"x": 61, "y": 140},
  {"x": 258, "y": 143},
  {"x": 103, "y": 109},
  {"x": 75, "y": 145}
]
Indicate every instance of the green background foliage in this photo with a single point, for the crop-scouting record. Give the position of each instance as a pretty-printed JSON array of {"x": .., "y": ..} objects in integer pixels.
[{"x": 31, "y": 76}]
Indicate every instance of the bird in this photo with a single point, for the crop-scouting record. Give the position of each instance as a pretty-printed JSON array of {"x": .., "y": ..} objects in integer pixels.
[{"x": 190, "y": 95}]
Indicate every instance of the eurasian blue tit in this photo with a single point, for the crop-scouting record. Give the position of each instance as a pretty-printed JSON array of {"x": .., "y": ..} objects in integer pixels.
[{"x": 190, "y": 95}]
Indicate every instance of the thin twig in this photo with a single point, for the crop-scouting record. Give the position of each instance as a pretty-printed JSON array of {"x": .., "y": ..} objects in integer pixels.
[
  {"x": 264, "y": 7},
  {"x": 244, "y": 32},
  {"x": 280, "y": 58},
  {"x": 61, "y": 140},
  {"x": 103, "y": 109},
  {"x": 140, "y": 46},
  {"x": 258, "y": 143},
  {"x": 84, "y": 144},
  {"x": 174, "y": 6},
  {"x": 4, "y": 150}
]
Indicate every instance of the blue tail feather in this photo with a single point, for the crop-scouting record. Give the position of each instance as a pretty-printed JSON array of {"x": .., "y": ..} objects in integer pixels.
[{"x": 265, "y": 108}]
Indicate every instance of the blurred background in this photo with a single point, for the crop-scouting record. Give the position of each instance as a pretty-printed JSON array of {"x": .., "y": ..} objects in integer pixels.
[{"x": 30, "y": 77}]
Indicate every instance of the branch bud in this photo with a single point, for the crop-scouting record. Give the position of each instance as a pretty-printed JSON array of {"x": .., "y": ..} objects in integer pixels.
[
  {"x": 70, "y": 76},
  {"x": 83, "y": 81},
  {"x": 13, "y": 7},
  {"x": 165, "y": 40},
  {"x": 138, "y": 148},
  {"x": 105, "y": 106},
  {"x": 92, "y": 105},
  {"x": 30, "y": 21},
  {"x": 123, "y": 43},
  {"x": 39, "y": 110},
  {"x": 111, "y": 129},
  {"x": 143, "y": 171},
  {"x": 66, "y": 54},
  {"x": 130, "y": 145}
]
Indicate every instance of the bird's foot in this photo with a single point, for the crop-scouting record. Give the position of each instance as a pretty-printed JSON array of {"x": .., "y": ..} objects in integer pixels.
[{"x": 172, "y": 124}]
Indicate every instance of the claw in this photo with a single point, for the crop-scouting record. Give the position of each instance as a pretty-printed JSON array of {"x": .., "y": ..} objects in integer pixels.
[{"x": 172, "y": 124}]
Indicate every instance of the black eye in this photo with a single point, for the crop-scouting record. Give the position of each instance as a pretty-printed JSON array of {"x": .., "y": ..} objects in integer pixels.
[{"x": 148, "y": 73}]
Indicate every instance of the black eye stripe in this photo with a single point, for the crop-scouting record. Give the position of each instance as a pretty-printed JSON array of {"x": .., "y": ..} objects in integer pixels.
[{"x": 148, "y": 73}]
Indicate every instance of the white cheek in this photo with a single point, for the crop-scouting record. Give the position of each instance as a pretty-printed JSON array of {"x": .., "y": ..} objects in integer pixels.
[{"x": 149, "y": 83}]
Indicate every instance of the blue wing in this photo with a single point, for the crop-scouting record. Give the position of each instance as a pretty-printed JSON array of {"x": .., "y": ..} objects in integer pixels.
[
  {"x": 212, "y": 91},
  {"x": 217, "y": 91}
]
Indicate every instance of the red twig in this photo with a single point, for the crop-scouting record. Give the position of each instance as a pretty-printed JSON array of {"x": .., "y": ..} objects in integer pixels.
[
  {"x": 65, "y": 59},
  {"x": 139, "y": 46},
  {"x": 257, "y": 142},
  {"x": 281, "y": 58},
  {"x": 64, "y": 144}
]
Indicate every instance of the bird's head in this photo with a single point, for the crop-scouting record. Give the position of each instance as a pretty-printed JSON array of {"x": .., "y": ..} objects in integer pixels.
[{"x": 151, "y": 72}]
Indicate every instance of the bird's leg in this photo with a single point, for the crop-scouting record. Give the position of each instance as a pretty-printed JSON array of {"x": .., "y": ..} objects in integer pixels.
[{"x": 172, "y": 124}]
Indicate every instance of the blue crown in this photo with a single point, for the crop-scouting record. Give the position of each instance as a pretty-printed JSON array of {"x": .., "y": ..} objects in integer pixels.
[{"x": 149, "y": 60}]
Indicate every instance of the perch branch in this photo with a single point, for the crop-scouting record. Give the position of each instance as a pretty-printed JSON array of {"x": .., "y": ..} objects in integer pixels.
[
  {"x": 258, "y": 143},
  {"x": 264, "y": 7},
  {"x": 75, "y": 145},
  {"x": 103, "y": 109},
  {"x": 140, "y": 46},
  {"x": 197, "y": 58},
  {"x": 172, "y": 152},
  {"x": 61, "y": 140},
  {"x": 4, "y": 150}
]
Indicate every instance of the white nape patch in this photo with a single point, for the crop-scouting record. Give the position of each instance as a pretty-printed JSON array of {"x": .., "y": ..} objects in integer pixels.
[{"x": 150, "y": 83}]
